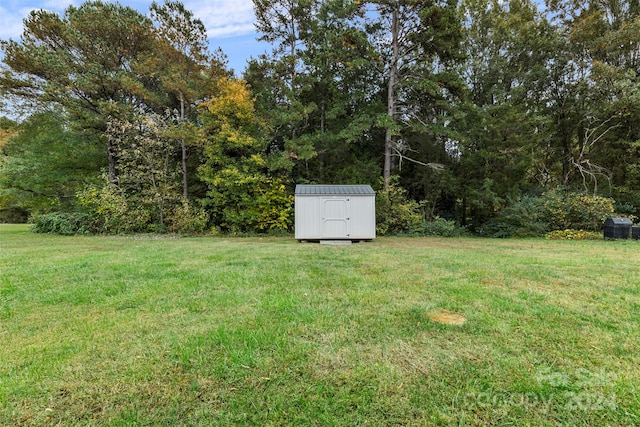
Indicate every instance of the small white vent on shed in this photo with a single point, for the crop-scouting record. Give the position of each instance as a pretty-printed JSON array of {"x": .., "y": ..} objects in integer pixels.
[{"x": 335, "y": 212}]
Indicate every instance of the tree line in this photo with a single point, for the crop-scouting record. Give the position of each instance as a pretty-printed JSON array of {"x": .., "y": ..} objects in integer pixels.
[{"x": 503, "y": 117}]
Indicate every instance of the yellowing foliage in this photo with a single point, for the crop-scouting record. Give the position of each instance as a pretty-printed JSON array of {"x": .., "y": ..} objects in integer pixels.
[
  {"x": 233, "y": 100},
  {"x": 232, "y": 124},
  {"x": 5, "y": 135},
  {"x": 242, "y": 195}
]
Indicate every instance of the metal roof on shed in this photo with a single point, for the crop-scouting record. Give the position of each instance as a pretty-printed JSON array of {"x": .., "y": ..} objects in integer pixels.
[{"x": 343, "y": 190}]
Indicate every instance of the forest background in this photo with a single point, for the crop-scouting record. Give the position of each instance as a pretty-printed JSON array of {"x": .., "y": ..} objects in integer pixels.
[{"x": 501, "y": 118}]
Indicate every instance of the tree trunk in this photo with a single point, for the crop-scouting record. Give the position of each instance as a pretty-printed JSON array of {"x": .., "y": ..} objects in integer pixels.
[
  {"x": 391, "y": 96},
  {"x": 112, "y": 150},
  {"x": 113, "y": 179},
  {"x": 185, "y": 190}
]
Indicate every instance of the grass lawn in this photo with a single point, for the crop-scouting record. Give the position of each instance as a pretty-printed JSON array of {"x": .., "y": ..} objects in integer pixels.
[{"x": 149, "y": 330}]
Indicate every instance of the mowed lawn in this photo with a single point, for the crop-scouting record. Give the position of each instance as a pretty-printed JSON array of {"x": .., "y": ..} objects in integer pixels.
[{"x": 214, "y": 331}]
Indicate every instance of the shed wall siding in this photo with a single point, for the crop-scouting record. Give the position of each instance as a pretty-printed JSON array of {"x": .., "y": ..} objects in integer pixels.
[
  {"x": 307, "y": 213},
  {"x": 363, "y": 223},
  {"x": 323, "y": 213}
]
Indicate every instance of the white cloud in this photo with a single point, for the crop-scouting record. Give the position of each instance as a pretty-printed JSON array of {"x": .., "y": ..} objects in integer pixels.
[
  {"x": 13, "y": 12},
  {"x": 224, "y": 18},
  {"x": 57, "y": 5},
  {"x": 11, "y": 22}
]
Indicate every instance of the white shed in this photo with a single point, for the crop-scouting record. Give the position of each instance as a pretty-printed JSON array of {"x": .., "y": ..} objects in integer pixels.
[{"x": 335, "y": 212}]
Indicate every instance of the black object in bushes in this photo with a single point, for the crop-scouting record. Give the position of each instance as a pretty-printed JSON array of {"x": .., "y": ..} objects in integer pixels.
[{"x": 617, "y": 228}]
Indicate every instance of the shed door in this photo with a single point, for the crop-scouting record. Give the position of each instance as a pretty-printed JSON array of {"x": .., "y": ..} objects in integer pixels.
[{"x": 335, "y": 218}]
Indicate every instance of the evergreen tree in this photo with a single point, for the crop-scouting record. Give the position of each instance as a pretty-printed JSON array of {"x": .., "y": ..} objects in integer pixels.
[{"x": 84, "y": 62}]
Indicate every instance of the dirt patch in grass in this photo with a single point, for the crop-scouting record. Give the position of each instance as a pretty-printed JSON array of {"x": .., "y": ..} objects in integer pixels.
[{"x": 447, "y": 317}]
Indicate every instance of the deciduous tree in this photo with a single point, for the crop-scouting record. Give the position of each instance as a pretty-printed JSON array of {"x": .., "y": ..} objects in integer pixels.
[
  {"x": 44, "y": 164},
  {"x": 243, "y": 195}
]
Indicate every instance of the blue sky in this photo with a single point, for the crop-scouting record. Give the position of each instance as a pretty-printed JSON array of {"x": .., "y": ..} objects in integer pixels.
[{"x": 229, "y": 23}]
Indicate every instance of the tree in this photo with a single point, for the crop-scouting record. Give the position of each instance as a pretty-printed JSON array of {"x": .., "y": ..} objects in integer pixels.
[
  {"x": 85, "y": 62},
  {"x": 9, "y": 211},
  {"x": 44, "y": 164},
  {"x": 147, "y": 190},
  {"x": 181, "y": 63},
  {"x": 149, "y": 175},
  {"x": 503, "y": 122},
  {"x": 285, "y": 24},
  {"x": 318, "y": 89},
  {"x": 597, "y": 112},
  {"x": 7, "y": 130},
  {"x": 242, "y": 194},
  {"x": 341, "y": 84},
  {"x": 103, "y": 64},
  {"x": 420, "y": 39},
  {"x": 341, "y": 96}
]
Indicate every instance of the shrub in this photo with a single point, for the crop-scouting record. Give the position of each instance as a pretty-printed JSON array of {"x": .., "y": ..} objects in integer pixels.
[
  {"x": 626, "y": 210},
  {"x": 396, "y": 214},
  {"x": 522, "y": 218},
  {"x": 573, "y": 235},
  {"x": 571, "y": 210},
  {"x": 253, "y": 203},
  {"x": 113, "y": 212},
  {"x": 64, "y": 223},
  {"x": 13, "y": 216},
  {"x": 555, "y": 210},
  {"x": 442, "y": 228},
  {"x": 187, "y": 219}
]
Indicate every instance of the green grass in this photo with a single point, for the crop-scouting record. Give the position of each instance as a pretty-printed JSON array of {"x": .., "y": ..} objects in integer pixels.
[{"x": 151, "y": 330}]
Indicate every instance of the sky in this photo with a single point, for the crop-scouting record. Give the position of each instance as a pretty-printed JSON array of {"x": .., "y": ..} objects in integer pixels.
[{"x": 229, "y": 23}]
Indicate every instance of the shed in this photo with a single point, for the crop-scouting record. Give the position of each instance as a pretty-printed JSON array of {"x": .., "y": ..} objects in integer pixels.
[
  {"x": 617, "y": 228},
  {"x": 335, "y": 212}
]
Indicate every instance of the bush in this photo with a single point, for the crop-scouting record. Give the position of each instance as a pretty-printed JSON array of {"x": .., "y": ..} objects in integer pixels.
[
  {"x": 522, "y": 218},
  {"x": 626, "y": 210},
  {"x": 66, "y": 224},
  {"x": 13, "y": 216},
  {"x": 555, "y": 210},
  {"x": 573, "y": 235},
  {"x": 187, "y": 219},
  {"x": 250, "y": 203},
  {"x": 113, "y": 213},
  {"x": 570, "y": 210},
  {"x": 443, "y": 228},
  {"x": 396, "y": 214}
]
